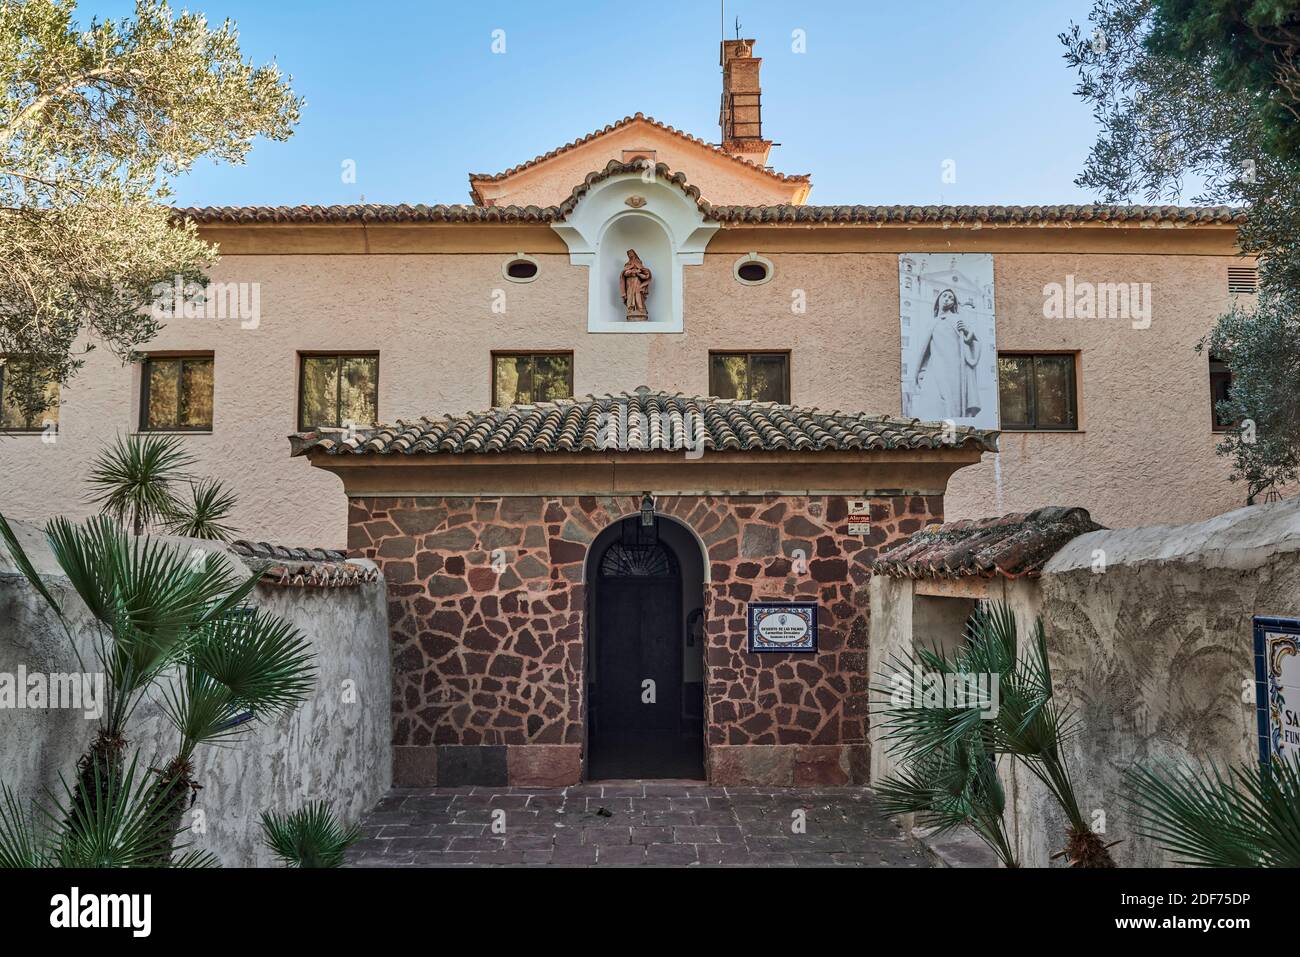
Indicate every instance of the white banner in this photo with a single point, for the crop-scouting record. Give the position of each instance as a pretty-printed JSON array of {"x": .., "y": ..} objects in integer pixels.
[{"x": 949, "y": 354}]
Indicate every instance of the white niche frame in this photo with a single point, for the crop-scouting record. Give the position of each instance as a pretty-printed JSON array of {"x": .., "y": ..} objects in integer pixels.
[{"x": 626, "y": 204}]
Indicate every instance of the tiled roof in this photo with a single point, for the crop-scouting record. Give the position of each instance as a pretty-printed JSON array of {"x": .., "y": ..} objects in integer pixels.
[
  {"x": 992, "y": 215},
  {"x": 1012, "y": 546},
  {"x": 643, "y": 421},
  {"x": 619, "y": 124},
  {"x": 304, "y": 567},
  {"x": 374, "y": 213},
  {"x": 736, "y": 215}
]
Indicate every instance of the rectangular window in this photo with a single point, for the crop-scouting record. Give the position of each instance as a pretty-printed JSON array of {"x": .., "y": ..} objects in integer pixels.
[
  {"x": 177, "y": 394},
  {"x": 1220, "y": 389},
  {"x": 1037, "y": 392},
  {"x": 337, "y": 390},
  {"x": 761, "y": 376},
  {"x": 522, "y": 378},
  {"x": 14, "y": 370}
]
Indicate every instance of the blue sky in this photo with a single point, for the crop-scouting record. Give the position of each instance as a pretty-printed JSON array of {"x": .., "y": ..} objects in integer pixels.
[{"x": 886, "y": 92}]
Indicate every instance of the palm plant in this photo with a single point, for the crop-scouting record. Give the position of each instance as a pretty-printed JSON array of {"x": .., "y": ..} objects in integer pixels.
[
  {"x": 1248, "y": 817},
  {"x": 243, "y": 667},
  {"x": 147, "y": 600},
  {"x": 206, "y": 513},
  {"x": 134, "y": 479},
  {"x": 120, "y": 827},
  {"x": 309, "y": 837},
  {"x": 172, "y": 620},
  {"x": 1026, "y": 725},
  {"x": 948, "y": 789}
]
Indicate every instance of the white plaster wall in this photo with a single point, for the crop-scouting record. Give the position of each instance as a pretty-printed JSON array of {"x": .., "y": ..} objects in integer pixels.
[{"x": 328, "y": 749}]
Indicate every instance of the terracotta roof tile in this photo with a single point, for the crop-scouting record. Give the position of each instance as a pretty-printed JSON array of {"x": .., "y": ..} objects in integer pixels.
[
  {"x": 617, "y": 125},
  {"x": 732, "y": 215},
  {"x": 304, "y": 567},
  {"x": 651, "y": 421},
  {"x": 992, "y": 215},
  {"x": 1012, "y": 546},
  {"x": 736, "y": 215},
  {"x": 404, "y": 213}
]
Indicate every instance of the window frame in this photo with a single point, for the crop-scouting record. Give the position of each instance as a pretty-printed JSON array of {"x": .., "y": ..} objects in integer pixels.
[
  {"x": 1032, "y": 426},
  {"x": 24, "y": 430},
  {"x": 521, "y": 354},
  {"x": 749, "y": 355},
  {"x": 180, "y": 358},
  {"x": 304, "y": 355},
  {"x": 1216, "y": 374}
]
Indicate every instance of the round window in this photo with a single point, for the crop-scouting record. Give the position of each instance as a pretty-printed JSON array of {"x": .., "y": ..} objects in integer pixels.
[
  {"x": 753, "y": 270},
  {"x": 520, "y": 269}
]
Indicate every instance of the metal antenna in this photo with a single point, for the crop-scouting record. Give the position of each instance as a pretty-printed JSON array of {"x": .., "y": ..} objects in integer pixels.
[{"x": 737, "y": 28}]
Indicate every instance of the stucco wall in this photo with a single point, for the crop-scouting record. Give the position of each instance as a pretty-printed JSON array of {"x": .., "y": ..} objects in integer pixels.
[
  {"x": 1156, "y": 652},
  {"x": 335, "y": 747},
  {"x": 1153, "y": 655},
  {"x": 1144, "y": 452}
]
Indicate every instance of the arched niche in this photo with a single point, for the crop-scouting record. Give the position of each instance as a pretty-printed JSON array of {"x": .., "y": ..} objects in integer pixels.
[
  {"x": 656, "y": 218},
  {"x": 645, "y": 234}
]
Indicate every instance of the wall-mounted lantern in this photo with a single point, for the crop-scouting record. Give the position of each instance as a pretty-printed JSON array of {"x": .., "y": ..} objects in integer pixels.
[{"x": 647, "y": 510}]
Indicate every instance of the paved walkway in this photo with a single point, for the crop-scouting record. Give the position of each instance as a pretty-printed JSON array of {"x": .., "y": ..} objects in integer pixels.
[{"x": 632, "y": 823}]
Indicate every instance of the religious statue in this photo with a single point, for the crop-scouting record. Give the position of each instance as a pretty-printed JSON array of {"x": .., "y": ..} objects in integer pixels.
[
  {"x": 634, "y": 287},
  {"x": 950, "y": 360}
]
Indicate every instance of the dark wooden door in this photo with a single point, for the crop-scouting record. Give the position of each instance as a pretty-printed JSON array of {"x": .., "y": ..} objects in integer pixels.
[{"x": 638, "y": 640}]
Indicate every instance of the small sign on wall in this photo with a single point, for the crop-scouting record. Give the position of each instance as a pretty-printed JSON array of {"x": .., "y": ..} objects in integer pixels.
[
  {"x": 782, "y": 626},
  {"x": 1277, "y": 687},
  {"x": 859, "y": 516}
]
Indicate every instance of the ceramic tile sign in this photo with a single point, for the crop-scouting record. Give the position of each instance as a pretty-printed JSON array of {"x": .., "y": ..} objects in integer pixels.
[
  {"x": 782, "y": 626},
  {"x": 1277, "y": 687},
  {"x": 859, "y": 517}
]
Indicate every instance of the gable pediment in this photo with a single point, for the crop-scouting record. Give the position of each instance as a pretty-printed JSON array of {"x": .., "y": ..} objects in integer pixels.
[{"x": 723, "y": 179}]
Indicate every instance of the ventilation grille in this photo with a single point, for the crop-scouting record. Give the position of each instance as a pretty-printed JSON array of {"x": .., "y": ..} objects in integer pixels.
[{"x": 1242, "y": 280}]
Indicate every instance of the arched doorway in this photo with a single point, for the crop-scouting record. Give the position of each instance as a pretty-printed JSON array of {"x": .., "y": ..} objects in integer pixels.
[{"x": 645, "y": 692}]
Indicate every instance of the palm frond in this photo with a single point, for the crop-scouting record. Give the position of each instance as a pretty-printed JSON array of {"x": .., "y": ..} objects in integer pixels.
[
  {"x": 24, "y": 843},
  {"x": 1248, "y": 817},
  {"x": 309, "y": 837},
  {"x": 244, "y": 663},
  {"x": 120, "y": 827},
  {"x": 24, "y": 565},
  {"x": 150, "y": 597},
  {"x": 133, "y": 479},
  {"x": 951, "y": 789},
  {"x": 206, "y": 513}
]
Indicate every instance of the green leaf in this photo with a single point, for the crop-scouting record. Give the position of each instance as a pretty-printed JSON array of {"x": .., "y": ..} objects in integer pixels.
[{"x": 309, "y": 837}]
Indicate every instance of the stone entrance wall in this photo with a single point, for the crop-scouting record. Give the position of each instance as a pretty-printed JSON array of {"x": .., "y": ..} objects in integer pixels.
[{"x": 486, "y": 600}]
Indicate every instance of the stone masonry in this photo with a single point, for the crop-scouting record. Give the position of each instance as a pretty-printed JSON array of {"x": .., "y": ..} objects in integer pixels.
[{"x": 486, "y": 608}]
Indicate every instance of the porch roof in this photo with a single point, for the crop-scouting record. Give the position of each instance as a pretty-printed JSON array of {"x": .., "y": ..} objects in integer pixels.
[
  {"x": 644, "y": 421},
  {"x": 1011, "y": 546}
]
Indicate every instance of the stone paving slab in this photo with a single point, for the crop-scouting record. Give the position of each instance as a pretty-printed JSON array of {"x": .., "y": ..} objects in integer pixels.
[{"x": 627, "y": 824}]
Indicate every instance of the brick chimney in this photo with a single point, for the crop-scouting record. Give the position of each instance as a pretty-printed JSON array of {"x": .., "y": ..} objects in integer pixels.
[{"x": 741, "y": 116}]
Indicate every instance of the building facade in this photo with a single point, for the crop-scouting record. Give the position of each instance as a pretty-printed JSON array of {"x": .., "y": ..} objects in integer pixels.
[
  {"x": 322, "y": 315},
  {"x": 704, "y": 396}
]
